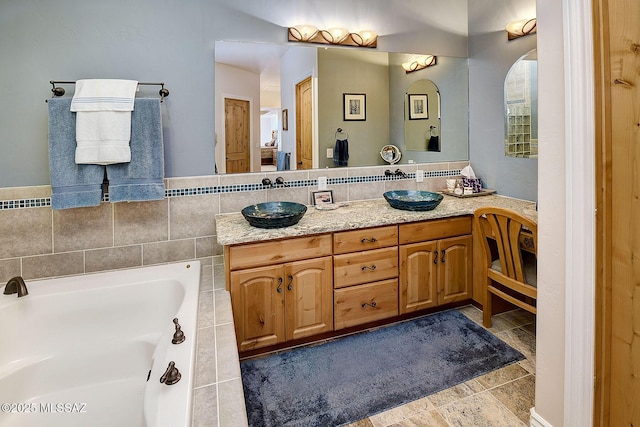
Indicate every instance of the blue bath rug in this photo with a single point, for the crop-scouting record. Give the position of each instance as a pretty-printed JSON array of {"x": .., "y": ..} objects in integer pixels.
[{"x": 352, "y": 378}]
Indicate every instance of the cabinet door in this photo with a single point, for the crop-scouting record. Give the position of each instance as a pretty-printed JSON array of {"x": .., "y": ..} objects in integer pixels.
[
  {"x": 455, "y": 269},
  {"x": 418, "y": 276},
  {"x": 309, "y": 297},
  {"x": 258, "y": 306}
]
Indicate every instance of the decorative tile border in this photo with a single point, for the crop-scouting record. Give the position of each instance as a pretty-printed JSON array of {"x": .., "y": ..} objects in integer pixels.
[{"x": 237, "y": 188}]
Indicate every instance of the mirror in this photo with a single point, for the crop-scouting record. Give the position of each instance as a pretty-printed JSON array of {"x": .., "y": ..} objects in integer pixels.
[
  {"x": 374, "y": 77},
  {"x": 521, "y": 107},
  {"x": 390, "y": 154},
  {"x": 422, "y": 117}
]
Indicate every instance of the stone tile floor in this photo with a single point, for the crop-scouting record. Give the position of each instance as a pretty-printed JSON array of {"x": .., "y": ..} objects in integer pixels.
[{"x": 501, "y": 398}]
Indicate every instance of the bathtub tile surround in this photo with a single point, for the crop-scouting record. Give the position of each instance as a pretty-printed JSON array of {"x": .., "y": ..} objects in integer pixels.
[{"x": 47, "y": 243}]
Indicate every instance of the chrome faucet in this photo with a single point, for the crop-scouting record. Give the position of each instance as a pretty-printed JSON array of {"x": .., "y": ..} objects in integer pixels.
[{"x": 16, "y": 285}]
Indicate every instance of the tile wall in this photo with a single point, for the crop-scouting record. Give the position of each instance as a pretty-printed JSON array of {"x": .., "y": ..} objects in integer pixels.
[{"x": 38, "y": 242}]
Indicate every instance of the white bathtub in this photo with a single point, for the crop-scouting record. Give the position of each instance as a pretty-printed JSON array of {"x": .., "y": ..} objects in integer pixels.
[{"x": 77, "y": 351}]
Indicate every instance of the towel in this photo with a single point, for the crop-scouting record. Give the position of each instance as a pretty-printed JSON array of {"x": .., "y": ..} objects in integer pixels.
[
  {"x": 434, "y": 143},
  {"x": 103, "y": 123},
  {"x": 142, "y": 178},
  {"x": 341, "y": 153},
  {"x": 72, "y": 185},
  {"x": 283, "y": 161}
]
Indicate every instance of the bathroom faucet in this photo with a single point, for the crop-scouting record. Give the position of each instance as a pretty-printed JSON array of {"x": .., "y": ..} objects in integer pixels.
[
  {"x": 266, "y": 182},
  {"x": 400, "y": 172},
  {"x": 280, "y": 181},
  {"x": 16, "y": 285}
]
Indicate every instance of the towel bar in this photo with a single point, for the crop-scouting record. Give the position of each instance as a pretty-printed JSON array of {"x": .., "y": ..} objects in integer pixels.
[{"x": 59, "y": 91}]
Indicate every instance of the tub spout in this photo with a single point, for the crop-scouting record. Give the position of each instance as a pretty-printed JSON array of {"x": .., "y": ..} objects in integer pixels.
[{"x": 16, "y": 285}]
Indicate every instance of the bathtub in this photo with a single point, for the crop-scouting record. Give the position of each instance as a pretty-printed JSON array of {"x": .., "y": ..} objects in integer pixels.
[{"x": 90, "y": 350}]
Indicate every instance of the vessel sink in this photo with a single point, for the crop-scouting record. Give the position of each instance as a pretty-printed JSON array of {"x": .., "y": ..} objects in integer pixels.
[
  {"x": 274, "y": 214},
  {"x": 412, "y": 200}
]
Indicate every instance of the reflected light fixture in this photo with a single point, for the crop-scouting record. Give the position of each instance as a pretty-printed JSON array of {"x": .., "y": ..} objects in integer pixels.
[
  {"x": 524, "y": 27},
  {"x": 338, "y": 36},
  {"x": 419, "y": 63}
]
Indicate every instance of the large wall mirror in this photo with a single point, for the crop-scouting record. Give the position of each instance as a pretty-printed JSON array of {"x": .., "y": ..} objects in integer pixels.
[
  {"x": 521, "y": 107},
  {"x": 292, "y": 99}
]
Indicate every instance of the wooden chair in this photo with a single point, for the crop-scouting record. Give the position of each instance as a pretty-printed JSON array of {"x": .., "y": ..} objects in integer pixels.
[{"x": 511, "y": 265}]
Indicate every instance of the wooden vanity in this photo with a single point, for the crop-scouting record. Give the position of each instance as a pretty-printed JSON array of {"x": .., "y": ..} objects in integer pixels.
[{"x": 336, "y": 271}]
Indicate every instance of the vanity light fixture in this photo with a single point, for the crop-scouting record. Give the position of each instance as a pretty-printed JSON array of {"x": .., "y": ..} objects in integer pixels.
[
  {"x": 524, "y": 27},
  {"x": 419, "y": 63},
  {"x": 338, "y": 36}
]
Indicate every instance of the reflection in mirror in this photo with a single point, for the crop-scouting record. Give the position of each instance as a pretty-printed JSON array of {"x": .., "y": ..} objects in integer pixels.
[
  {"x": 267, "y": 75},
  {"x": 422, "y": 117},
  {"x": 521, "y": 108},
  {"x": 390, "y": 154}
]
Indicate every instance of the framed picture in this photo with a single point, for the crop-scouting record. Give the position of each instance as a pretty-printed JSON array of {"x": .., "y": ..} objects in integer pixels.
[
  {"x": 418, "y": 107},
  {"x": 323, "y": 197},
  {"x": 355, "y": 106},
  {"x": 285, "y": 119}
]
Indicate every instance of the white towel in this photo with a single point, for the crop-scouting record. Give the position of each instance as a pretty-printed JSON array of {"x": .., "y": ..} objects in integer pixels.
[{"x": 103, "y": 120}]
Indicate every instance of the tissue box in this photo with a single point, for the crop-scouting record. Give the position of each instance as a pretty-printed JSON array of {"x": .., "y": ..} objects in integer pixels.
[{"x": 475, "y": 183}]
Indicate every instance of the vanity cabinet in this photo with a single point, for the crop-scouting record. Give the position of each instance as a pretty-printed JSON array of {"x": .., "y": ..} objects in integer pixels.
[
  {"x": 365, "y": 280},
  {"x": 285, "y": 300},
  {"x": 435, "y": 263}
]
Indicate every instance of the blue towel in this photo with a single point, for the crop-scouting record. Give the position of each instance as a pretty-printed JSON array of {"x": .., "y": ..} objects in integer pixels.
[
  {"x": 283, "y": 161},
  {"x": 341, "y": 153},
  {"x": 143, "y": 177},
  {"x": 72, "y": 185}
]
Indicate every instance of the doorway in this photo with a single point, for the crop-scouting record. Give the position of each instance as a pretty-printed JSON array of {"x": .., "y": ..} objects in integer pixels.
[
  {"x": 304, "y": 124},
  {"x": 237, "y": 127}
]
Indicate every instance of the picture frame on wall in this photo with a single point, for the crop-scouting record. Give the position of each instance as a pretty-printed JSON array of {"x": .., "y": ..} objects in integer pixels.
[
  {"x": 285, "y": 119},
  {"x": 418, "y": 107},
  {"x": 355, "y": 106},
  {"x": 324, "y": 197}
]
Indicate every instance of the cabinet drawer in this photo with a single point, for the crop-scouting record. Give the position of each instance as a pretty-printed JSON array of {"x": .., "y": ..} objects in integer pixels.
[
  {"x": 435, "y": 229},
  {"x": 365, "y": 303},
  {"x": 366, "y": 266},
  {"x": 365, "y": 239},
  {"x": 266, "y": 253}
]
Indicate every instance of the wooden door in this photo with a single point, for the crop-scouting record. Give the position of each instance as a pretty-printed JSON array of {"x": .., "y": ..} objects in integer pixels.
[
  {"x": 617, "y": 352},
  {"x": 309, "y": 297},
  {"x": 258, "y": 306},
  {"x": 454, "y": 269},
  {"x": 304, "y": 128},
  {"x": 237, "y": 130},
  {"x": 418, "y": 276}
]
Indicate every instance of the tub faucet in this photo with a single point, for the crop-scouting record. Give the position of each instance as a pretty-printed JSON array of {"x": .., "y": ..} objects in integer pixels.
[{"x": 16, "y": 285}]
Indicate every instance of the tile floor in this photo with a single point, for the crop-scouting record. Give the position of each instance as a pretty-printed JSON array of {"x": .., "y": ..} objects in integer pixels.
[{"x": 501, "y": 398}]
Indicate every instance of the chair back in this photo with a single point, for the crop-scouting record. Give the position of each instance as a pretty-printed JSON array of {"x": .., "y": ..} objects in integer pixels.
[{"x": 506, "y": 228}]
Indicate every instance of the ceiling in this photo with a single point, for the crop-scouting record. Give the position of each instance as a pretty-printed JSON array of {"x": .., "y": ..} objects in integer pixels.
[{"x": 387, "y": 18}]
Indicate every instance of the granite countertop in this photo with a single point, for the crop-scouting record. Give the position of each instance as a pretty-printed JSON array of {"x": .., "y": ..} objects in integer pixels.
[{"x": 234, "y": 229}]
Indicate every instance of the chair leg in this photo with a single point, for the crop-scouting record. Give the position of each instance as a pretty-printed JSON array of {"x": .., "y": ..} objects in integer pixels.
[{"x": 487, "y": 310}]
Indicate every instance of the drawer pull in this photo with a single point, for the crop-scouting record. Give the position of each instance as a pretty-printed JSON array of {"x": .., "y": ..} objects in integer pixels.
[
  {"x": 371, "y": 304},
  {"x": 366, "y": 267},
  {"x": 279, "y": 285},
  {"x": 289, "y": 285},
  {"x": 371, "y": 240},
  {"x": 443, "y": 252},
  {"x": 435, "y": 258}
]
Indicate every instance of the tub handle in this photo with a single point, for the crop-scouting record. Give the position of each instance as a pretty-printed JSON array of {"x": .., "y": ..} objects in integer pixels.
[
  {"x": 178, "y": 335},
  {"x": 171, "y": 375}
]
